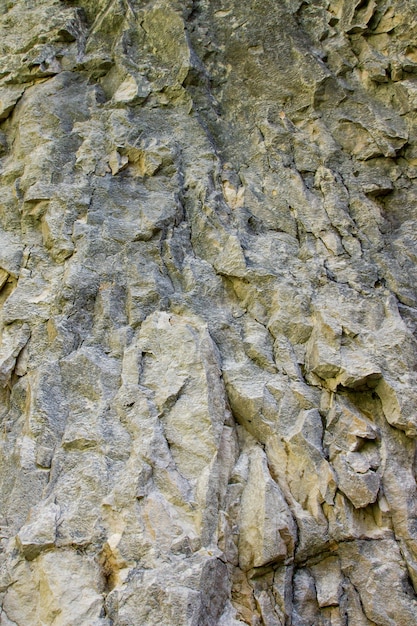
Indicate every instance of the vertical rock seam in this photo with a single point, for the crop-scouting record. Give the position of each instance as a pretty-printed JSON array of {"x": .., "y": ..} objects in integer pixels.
[{"x": 208, "y": 312}]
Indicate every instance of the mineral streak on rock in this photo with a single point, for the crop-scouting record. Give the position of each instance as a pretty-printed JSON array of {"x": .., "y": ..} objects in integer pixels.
[{"x": 208, "y": 312}]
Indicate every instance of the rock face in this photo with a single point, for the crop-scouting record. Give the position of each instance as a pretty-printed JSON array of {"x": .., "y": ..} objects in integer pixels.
[{"x": 208, "y": 313}]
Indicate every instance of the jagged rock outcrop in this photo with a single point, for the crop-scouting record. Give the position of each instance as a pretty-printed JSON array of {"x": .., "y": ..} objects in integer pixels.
[{"x": 208, "y": 251}]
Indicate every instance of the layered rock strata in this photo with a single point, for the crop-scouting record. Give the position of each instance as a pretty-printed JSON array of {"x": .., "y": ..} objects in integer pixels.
[{"x": 208, "y": 313}]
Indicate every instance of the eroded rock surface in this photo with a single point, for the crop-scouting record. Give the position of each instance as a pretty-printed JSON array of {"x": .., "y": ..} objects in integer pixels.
[{"x": 208, "y": 313}]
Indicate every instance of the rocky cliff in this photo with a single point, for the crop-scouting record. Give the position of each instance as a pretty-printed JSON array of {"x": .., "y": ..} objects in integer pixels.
[{"x": 208, "y": 251}]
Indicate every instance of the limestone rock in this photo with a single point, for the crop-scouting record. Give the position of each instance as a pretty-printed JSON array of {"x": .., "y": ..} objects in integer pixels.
[
  {"x": 266, "y": 528},
  {"x": 208, "y": 313}
]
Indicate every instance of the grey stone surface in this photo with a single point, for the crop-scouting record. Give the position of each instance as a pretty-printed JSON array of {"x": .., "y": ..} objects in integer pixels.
[{"x": 208, "y": 313}]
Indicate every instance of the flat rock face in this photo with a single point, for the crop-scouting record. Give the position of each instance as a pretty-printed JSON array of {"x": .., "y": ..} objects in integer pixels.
[{"x": 208, "y": 313}]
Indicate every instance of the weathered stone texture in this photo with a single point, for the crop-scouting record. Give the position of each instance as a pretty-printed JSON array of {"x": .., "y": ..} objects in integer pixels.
[{"x": 208, "y": 313}]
